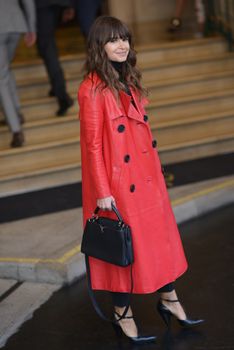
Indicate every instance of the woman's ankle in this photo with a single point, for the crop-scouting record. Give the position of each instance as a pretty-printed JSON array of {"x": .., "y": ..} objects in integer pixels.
[{"x": 120, "y": 310}]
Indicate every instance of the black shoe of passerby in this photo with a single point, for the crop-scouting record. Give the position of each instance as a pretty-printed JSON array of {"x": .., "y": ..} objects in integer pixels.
[
  {"x": 51, "y": 93},
  {"x": 175, "y": 25},
  {"x": 64, "y": 105},
  {"x": 17, "y": 139}
]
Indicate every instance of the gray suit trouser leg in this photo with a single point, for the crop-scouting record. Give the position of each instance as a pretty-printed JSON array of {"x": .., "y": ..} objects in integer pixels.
[{"x": 8, "y": 93}]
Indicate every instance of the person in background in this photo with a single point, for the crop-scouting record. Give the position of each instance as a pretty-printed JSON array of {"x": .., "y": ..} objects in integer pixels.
[
  {"x": 176, "y": 21},
  {"x": 48, "y": 15},
  {"x": 85, "y": 11},
  {"x": 120, "y": 165},
  {"x": 16, "y": 17}
]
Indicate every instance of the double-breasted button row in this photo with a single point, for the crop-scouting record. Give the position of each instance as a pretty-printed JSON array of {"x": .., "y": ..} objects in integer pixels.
[
  {"x": 127, "y": 159},
  {"x": 154, "y": 143},
  {"x": 121, "y": 128}
]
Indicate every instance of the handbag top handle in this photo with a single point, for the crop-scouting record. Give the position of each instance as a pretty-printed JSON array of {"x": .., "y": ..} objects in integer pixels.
[{"x": 115, "y": 211}]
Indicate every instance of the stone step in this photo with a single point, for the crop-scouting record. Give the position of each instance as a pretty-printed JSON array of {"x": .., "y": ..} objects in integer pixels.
[
  {"x": 41, "y": 156},
  {"x": 40, "y": 87},
  {"x": 55, "y": 129},
  {"x": 146, "y": 53},
  {"x": 34, "y": 86},
  {"x": 188, "y": 66},
  {"x": 174, "y": 111},
  {"x": 57, "y": 175},
  {"x": 37, "y": 179},
  {"x": 200, "y": 84},
  {"x": 47, "y": 107},
  {"x": 191, "y": 113},
  {"x": 38, "y": 132},
  {"x": 194, "y": 149},
  {"x": 65, "y": 147},
  {"x": 190, "y": 129},
  {"x": 32, "y": 89},
  {"x": 188, "y": 106},
  {"x": 167, "y": 51},
  {"x": 40, "y": 108},
  {"x": 36, "y": 69}
]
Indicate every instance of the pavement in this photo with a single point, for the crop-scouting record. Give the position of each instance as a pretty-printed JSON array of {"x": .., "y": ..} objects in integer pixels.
[
  {"x": 46, "y": 248},
  {"x": 67, "y": 320},
  {"x": 46, "y": 257},
  {"x": 18, "y": 301}
]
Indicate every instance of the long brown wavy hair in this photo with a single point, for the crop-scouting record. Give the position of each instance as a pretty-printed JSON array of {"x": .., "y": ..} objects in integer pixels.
[{"x": 103, "y": 30}]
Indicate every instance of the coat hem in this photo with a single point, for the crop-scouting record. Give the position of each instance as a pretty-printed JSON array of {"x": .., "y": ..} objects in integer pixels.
[{"x": 143, "y": 291}]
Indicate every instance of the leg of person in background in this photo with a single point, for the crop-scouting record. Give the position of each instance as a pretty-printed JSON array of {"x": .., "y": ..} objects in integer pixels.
[
  {"x": 47, "y": 19},
  {"x": 86, "y": 12},
  {"x": 8, "y": 44},
  {"x": 201, "y": 17},
  {"x": 11, "y": 53},
  {"x": 176, "y": 21}
]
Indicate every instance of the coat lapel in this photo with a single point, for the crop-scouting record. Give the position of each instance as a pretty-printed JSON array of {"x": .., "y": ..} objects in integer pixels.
[
  {"x": 125, "y": 107},
  {"x": 130, "y": 110}
]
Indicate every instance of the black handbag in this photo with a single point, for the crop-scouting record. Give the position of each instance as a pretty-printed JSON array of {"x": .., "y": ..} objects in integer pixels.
[{"x": 111, "y": 241}]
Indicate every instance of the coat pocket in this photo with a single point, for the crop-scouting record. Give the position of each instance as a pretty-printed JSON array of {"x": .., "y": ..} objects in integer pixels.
[
  {"x": 143, "y": 138},
  {"x": 115, "y": 180}
]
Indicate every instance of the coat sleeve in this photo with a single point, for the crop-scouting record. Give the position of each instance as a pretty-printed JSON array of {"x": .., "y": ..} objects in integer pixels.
[
  {"x": 30, "y": 14},
  {"x": 91, "y": 117}
]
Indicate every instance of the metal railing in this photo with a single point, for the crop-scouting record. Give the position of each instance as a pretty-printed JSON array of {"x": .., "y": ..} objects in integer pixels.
[{"x": 220, "y": 18}]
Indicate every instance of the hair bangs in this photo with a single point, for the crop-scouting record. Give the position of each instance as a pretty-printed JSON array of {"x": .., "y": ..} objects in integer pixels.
[{"x": 114, "y": 30}]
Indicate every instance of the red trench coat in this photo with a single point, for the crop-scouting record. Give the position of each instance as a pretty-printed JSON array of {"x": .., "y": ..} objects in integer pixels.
[{"x": 119, "y": 158}]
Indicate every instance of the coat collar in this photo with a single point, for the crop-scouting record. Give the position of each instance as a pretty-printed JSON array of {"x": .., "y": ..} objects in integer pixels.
[{"x": 124, "y": 107}]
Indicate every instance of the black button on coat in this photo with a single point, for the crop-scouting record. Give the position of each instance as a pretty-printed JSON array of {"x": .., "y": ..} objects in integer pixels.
[
  {"x": 154, "y": 143},
  {"x": 127, "y": 158},
  {"x": 121, "y": 128}
]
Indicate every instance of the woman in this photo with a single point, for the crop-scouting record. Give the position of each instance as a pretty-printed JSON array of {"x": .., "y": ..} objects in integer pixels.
[{"x": 120, "y": 164}]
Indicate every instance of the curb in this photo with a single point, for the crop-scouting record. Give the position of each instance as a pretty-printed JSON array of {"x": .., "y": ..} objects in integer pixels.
[
  {"x": 71, "y": 266},
  {"x": 64, "y": 270},
  {"x": 203, "y": 201}
]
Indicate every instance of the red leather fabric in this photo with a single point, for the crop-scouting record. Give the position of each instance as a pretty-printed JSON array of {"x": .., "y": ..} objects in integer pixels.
[{"x": 119, "y": 159}]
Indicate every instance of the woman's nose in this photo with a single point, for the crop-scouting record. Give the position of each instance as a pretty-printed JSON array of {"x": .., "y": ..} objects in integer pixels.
[{"x": 121, "y": 43}]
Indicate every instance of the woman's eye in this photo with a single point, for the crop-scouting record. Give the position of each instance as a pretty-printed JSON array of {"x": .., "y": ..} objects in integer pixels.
[{"x": 113, "y": 40}]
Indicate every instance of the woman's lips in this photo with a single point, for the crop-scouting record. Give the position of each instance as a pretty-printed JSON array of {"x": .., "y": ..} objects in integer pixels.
[{"x": 121, "y": 53}]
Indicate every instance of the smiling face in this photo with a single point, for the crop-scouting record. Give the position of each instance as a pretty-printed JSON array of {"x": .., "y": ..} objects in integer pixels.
[{"x": 117, "y": 49}]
